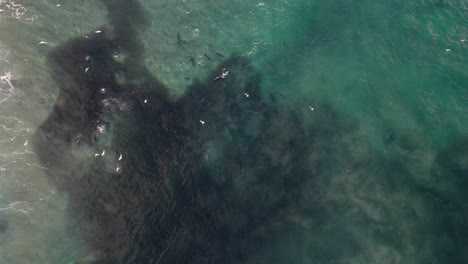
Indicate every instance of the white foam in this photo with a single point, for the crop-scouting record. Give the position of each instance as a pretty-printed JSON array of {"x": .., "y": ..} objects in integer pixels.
[
  {"x": 7, "y": 93},
  {"x": 3, "y": 58},
  {"x": 7, "y": 79},
  {"x": 101, "y": 128},
  {"x": 16, "y": 11}
]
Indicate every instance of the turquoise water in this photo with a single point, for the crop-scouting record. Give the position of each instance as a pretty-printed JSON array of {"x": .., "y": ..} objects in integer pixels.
[{"x": 340, "y": 134}]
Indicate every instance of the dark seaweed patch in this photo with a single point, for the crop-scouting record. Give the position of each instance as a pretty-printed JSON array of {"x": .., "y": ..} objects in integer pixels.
[{"x": 187, "y": 192}]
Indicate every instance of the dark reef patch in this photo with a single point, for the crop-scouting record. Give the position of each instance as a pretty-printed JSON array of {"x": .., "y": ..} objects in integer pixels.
[{"x": 184, "y": 192}]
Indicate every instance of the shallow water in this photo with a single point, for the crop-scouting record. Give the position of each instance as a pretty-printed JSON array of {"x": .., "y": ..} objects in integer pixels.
[{"x": 339, "y": 135}]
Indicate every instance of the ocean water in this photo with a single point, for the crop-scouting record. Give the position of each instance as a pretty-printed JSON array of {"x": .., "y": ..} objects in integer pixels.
[{"x": 337, "y": 134}]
